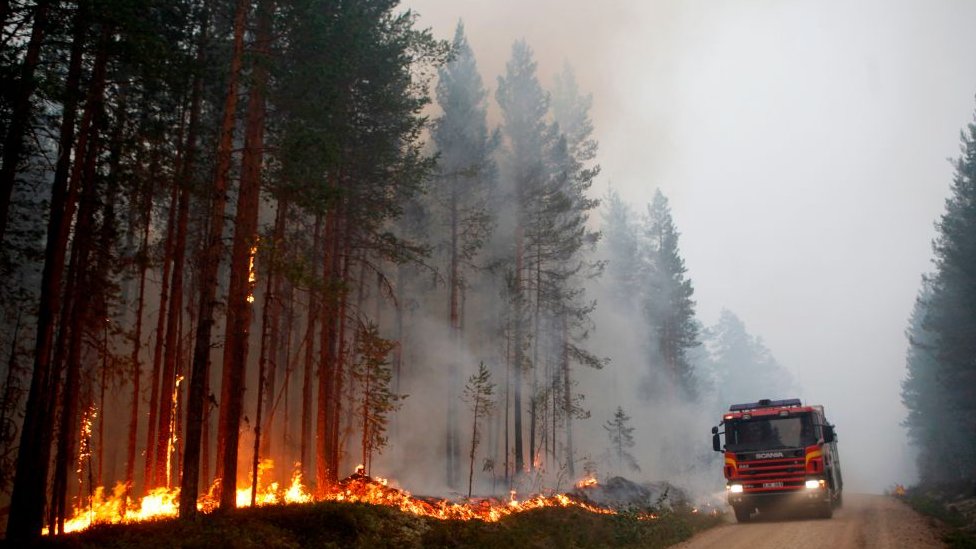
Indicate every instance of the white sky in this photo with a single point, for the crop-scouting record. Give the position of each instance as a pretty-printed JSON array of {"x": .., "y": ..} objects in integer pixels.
[{"x": 803, "y": 146}]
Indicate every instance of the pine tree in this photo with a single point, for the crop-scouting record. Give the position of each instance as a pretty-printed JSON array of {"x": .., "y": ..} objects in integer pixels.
[
  {"x": 524, "y": 107},
  {"x": 479, "y": 393},
  {"x": 461, "y": 191},
  {"x": 932, "y": 425},
  {"x": 376, "y": 400},
  {"x": 619, "y": 248},
  {"x": 950, "y": 315},
  {"x": 621, "y": 436},
  {"x": 740, "y": 367},
  {"x": 668, "y": 305}
]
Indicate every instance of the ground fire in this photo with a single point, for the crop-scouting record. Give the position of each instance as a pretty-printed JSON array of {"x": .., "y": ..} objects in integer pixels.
[
  {"x": 779, "y": 453},
  {"x": 111, "y": 507}
]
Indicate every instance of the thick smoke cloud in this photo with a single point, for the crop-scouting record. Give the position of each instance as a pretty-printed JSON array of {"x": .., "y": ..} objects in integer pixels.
[{"x": 803, "y": 148}]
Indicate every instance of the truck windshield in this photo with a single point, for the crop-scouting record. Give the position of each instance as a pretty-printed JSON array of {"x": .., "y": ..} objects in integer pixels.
[{"x": 770, "y": 432}]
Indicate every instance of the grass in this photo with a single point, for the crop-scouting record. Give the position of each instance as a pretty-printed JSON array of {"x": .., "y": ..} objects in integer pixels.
[
  {"x": 349, "y": 525},
  {"x": 942, "y": 504}
]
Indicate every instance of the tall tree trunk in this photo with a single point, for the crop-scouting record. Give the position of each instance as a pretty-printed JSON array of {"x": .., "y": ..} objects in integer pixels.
[
  {"x": 80, "y": 294},
  {"x": 315, "y": 297},
  {"x": 30, "y": 479},
  {"x": 271, "y": 326},
  {"x": 519, "y": 336},
  {"x": 454, "y": 364},
  {"x": 209, "y": 263},
  {"x": 242, "y": 276},
  {"x": 337, "y": 314},
  {"x": 130, "y": 458},
  {"x": 150, "y": 478},
  {"x": 324, "y": 475},
  {"x": 568, "y": 397},
  {"x": 536, "y": 336},
  {"x": 174, "y": 316},
  {"x": 13, "y": 142}
]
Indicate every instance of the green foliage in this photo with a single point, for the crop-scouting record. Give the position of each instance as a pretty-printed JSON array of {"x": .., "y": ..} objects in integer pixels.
[
  {"x": 667, "y": 296},
  {"x": 355, "y": 526},
  {"x": 940, "y": 387},
  {"x": 941, "y": 501},
  {"x": 621, "y": 436},
  {"x": 479, "y": 393},
  {"x": 739, "y": 367},
  {"x": 376, "y": 401}
]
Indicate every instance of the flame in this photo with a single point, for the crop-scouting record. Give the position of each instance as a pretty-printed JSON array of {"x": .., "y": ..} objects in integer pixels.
[
  {"x": 357, "y": 488},
  {"x": 171, "y": 443},
  {"x": 252, "y": 273},
  {"x": 364, "y": 489},
  {"x": 586, "y": 482},
  {"x": 85, "y": 450}
]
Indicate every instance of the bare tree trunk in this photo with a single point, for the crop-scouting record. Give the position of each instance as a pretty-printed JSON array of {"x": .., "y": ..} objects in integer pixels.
[
  {"x": 189, "y": 486},
  {"x": 80, "y": 296},
  {"x": 536, "y": 336},
  {"x": 314, "y": 304},
  {"x": 325, "y": 425},
  {"x": 143, "y": 259},
  {"x": 271, "y": 326},
  {"x": 519, "y": 352},
  {"x": 150, "y": 477},
  {"x": 341, "y": 268},
  {"x": 568, "y": 396},
  {"x": 240, "y": 291},
  {"x": 30, "y": 479},
  {"x": 454, "y": 364}
]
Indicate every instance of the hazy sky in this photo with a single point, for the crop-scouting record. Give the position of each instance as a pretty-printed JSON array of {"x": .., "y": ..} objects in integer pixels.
[{"x": 803, "y": 146}]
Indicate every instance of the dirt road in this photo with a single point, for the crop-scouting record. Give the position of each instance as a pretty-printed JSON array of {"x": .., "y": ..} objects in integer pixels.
[{"x": 864, "y": 521}]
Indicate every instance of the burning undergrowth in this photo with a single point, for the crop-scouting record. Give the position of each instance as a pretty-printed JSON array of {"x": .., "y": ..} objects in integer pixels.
[
  {"x": 365, "y": 512},
  {"x": 104, "y": 507}
]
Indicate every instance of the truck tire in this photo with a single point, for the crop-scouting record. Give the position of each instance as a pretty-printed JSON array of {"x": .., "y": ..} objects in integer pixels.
[{"x": 742, "y": 513}]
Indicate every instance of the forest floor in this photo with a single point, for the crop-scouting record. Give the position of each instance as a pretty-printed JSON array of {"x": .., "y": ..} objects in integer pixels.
[
  {"x": 356, "y": 525},
  {"x": 953, "y": 506}
]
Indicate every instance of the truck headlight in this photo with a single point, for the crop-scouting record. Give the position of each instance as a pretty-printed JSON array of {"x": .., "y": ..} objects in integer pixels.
[
  {"x": 814, "y": 484},
  {"x": 735, "y": 488}
]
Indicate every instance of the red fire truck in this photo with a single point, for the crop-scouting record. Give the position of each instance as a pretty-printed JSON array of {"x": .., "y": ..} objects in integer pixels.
[{"x": 779, "y": 453}]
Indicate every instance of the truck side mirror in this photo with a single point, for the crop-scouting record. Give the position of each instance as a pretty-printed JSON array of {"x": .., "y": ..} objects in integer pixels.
[
  {"x": 716, "y": 444},
  {"x": 828, "y": 434}
]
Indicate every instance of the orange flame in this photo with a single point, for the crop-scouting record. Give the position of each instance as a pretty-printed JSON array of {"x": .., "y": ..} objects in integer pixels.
[
  {"x": 586, "y": 482},
  {"x": 252, "y": 273},
  {"x": 361, "y": 488}
]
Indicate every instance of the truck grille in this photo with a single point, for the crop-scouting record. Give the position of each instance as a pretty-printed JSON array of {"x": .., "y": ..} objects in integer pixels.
[{"x": 772, "y": 475}]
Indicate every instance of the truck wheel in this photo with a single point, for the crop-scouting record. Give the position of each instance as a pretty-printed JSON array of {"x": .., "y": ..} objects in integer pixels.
[
  {"x": 742, "y": 513},
  {"x": 839, "y": 500}
]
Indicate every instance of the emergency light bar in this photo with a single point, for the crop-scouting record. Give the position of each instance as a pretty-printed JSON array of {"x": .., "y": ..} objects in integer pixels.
[{"x": 764, "y": 403}]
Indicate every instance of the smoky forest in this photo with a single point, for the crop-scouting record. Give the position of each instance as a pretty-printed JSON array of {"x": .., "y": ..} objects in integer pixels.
[{"x": 250, "y": 248}]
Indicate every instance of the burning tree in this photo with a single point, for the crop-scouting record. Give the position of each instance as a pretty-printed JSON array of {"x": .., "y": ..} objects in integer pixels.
[
  {"x": 621, "y": 439},
  {"x": 373, "y": 375},
  {"x": 479, "y": 393}
]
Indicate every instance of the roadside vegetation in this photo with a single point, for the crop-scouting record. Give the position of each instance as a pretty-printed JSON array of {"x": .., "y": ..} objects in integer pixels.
[
  {"x": 330, "y": 524},
  {"x": 953, "y": 506}
]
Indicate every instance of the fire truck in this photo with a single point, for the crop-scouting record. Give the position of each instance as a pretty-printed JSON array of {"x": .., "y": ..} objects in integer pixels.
[{"x": 779, "y": 454}]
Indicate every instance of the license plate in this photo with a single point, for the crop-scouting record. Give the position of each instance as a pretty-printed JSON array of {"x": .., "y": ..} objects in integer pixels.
[{"x": 772, "y": 484}]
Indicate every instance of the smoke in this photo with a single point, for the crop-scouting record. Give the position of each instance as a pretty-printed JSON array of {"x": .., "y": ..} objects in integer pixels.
[{"x": 803, "y": 147}]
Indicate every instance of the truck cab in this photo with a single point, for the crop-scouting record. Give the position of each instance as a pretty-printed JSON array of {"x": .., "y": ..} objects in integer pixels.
[{"x": 779, "y": 454}]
